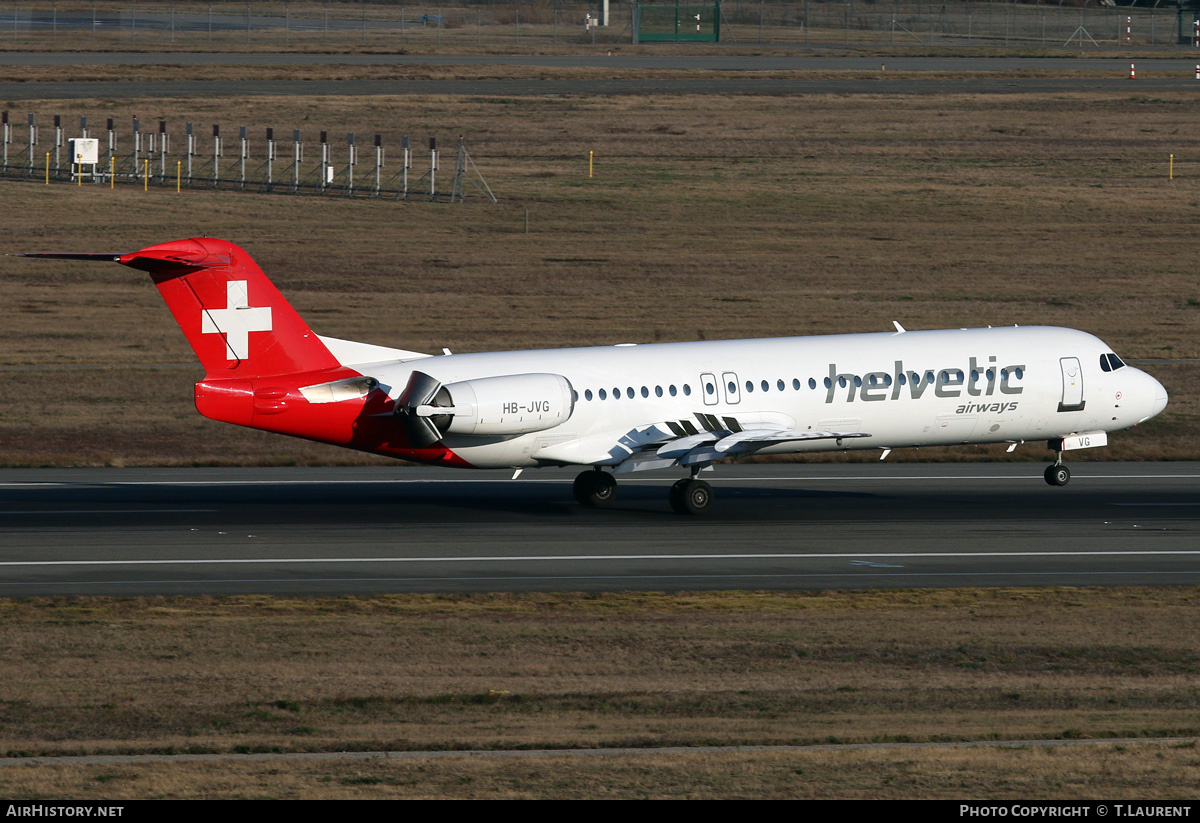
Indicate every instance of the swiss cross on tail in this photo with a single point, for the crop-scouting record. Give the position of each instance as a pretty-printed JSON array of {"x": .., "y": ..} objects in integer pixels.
[{"x": 236, "y": 320}]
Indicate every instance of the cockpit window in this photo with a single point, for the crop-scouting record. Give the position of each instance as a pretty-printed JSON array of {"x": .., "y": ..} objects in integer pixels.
[{"x": 1110, "y": 362}]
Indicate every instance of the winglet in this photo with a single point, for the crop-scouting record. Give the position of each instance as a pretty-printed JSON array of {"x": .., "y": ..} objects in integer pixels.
[{"x": 899, "y": 329}]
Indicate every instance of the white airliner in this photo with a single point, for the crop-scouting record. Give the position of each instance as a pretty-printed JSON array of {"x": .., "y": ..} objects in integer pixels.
[{"x": 629, "y": 407}]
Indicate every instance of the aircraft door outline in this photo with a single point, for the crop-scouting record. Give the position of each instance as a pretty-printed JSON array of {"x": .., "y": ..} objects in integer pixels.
[
  {"x": 1072, "y": 385},
  {"x": 729, "y": 385}
]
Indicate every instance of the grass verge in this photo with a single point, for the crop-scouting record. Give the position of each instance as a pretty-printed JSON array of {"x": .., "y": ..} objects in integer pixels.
[{"x": 408, "y": 672}]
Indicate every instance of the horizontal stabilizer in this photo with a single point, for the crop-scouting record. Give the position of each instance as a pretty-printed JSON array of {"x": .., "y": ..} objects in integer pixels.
[
  {"x": 235, "y": 319},
  {"x": 166, "y": 258},
  {"x": 180, "y": 257},
  {"x": 103, "y": 257}
]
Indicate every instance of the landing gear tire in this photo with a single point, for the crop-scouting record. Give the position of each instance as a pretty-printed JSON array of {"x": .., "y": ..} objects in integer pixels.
[
  {"x": 595, "y": 488},
  {"x": 690, "y": 496},
  {"x": 1058, "y": 475}
]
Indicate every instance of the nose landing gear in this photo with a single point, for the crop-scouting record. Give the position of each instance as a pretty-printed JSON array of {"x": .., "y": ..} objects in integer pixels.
[{"x": 1057, "y": 474}]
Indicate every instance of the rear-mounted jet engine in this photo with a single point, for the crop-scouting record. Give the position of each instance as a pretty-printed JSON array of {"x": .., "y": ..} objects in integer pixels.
[{"x": 512, "y": 404}]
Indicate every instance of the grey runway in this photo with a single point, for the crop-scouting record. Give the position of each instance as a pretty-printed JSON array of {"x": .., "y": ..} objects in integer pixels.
[
  {"x": 734, "y": 62},
  {"x": 735, "y": 74},
  {"x": 795, "y": 526}
]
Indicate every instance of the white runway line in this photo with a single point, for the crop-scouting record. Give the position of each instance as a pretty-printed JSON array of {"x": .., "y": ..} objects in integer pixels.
[
  {"x": 4, "y": 513},
  {"x": 568, "y": 558}
]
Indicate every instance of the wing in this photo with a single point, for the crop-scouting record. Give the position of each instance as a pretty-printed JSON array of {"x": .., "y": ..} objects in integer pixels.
[{"x": 686, "y": 445}]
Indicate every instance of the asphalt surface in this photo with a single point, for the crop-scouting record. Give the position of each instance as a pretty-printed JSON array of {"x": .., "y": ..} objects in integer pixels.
[
  {"x": 680, "y": 62},
  {"x": 735, "y": 74},
  {"x": 342, "y": 531}
]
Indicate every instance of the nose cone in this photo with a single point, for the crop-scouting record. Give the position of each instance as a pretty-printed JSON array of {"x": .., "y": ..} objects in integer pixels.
[{"x": 1159, "y": 398}]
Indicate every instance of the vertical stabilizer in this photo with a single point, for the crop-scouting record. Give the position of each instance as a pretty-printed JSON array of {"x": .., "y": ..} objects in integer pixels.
[{"x": 235, "y": 319}]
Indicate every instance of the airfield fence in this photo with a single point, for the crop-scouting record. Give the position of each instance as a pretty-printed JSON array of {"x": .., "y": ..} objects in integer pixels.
[
  {"x": 40, "y": 150},
  {"x": 394, "y": 25}
]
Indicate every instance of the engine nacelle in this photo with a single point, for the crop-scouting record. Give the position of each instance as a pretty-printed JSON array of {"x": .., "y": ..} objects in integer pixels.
[{"x": 513, "y": 404}]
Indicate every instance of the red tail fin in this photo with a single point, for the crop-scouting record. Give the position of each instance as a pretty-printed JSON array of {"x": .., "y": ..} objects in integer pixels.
[{"x": 235, "y": 319}]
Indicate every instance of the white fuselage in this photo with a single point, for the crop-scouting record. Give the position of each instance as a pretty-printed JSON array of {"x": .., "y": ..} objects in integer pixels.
[{"x": 919, "y": 388}]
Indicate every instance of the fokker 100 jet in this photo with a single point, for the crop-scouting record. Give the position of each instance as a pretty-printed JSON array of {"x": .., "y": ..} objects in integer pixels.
[{"x": 627, "y": 408}]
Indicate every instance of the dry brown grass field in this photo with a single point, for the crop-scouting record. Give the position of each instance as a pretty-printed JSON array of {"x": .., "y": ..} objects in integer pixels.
[
  {"x": 646, "y": 671},
  {"x": 707, "y": 217}
]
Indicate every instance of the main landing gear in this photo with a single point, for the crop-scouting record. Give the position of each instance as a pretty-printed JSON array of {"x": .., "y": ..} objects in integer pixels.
[
  {"x": 599, "y": 488},
  {"x": 595, "y": 488},
  {"x": 690, "y": 496},
  {"x": 1057, "y": 474}
]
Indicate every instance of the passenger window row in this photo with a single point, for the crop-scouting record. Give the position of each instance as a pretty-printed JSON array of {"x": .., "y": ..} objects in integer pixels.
[
  {"x": 629, "y": 392},
  {"x": 874, "y": 379}
]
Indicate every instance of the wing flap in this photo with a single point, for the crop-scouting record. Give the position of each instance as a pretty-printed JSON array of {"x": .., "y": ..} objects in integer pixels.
[
  {"x": 682, "y": 445},
  {"x": 752, "y": 439},
  {"x": 645, "y": 461}
]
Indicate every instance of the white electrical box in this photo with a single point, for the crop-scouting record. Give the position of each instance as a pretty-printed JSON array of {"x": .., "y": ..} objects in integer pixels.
[{"x": 84, "y": 150}]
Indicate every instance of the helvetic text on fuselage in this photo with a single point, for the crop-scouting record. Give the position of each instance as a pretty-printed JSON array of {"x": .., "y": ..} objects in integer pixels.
[{"x": 977, "y": 380}]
